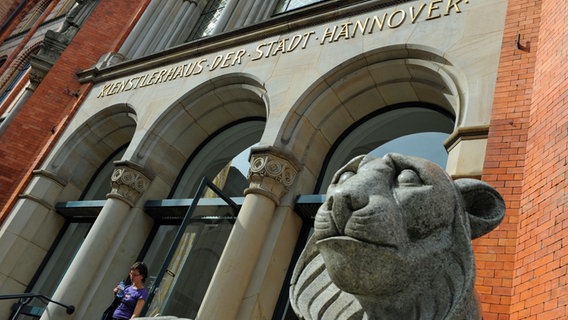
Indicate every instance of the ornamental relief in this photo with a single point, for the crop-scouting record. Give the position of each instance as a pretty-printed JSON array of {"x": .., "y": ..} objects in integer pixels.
[
  {"x": 270, "y": 175},
  {"x": 127, "y": 184},
  {"x": 273, "y": 167}
]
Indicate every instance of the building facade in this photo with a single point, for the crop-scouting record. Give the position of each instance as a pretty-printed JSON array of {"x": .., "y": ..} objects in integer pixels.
[{"x": 199, "y": 136}]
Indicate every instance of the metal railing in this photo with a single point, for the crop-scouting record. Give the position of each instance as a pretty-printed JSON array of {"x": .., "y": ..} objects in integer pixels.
[{"x": 26, "y": 298}]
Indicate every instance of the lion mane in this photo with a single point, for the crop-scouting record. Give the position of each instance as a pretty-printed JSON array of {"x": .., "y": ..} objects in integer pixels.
[{"x": 393, "y": 241}]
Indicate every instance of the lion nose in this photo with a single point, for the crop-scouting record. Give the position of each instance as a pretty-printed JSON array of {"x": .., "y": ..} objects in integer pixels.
[{"x": 342, "y": 203}]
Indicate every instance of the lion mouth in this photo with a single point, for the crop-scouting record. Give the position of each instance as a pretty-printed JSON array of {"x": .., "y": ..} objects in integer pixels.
[{"x": 341, "y": 241}]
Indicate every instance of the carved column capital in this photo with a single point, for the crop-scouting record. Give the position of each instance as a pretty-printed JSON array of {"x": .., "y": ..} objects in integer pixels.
[
  {"x": 271, "y": 174},
  {"x": 128, "y": 182}
]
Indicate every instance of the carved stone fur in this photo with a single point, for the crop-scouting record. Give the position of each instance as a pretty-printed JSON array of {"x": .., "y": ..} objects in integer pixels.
[{"x": 393, "y": 241}]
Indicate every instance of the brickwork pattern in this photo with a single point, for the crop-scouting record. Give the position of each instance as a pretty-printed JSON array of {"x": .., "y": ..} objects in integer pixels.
[
  {"x": 7, "y": 8},
  {"x": 540, "y": 279},
  {"x": 505, "y": 157},
  {"x": 45, "y": 115},
  {"x": 522, "y": 267}
]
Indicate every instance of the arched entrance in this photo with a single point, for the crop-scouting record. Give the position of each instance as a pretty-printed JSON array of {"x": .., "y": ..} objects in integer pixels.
[
  {"x": 197, "y": 138},
  {"x": 387, "y": 101}
]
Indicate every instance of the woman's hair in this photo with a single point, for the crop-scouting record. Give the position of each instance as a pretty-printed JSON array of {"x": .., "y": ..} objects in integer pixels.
[{"x": 142, "y": 268}]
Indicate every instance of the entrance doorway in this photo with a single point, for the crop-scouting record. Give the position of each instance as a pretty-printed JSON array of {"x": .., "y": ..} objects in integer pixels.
[{"x": 188, "y": 251}]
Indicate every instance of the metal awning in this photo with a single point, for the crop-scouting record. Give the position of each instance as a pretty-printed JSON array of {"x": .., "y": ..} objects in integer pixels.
[
  {"x": 88, "y": 209},
  {"x": 174, "y": 209}
]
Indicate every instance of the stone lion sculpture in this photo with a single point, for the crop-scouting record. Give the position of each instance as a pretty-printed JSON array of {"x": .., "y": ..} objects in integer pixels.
[{"x": 393, "y": 241}]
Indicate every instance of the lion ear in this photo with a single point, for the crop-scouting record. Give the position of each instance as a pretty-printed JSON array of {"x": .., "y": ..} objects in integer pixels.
[{"x": 484, "y": 205}]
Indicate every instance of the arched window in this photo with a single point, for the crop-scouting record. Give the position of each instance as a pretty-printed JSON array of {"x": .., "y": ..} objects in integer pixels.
[
  {"x": 71, "y": 236},
  {"x": 12, "y": 94},
  {"x": 410, "y": 129},
  {"x": 417, "y": 130},
  {"x": 181, "y": 283},
  {"x": 15, "y": 79}
]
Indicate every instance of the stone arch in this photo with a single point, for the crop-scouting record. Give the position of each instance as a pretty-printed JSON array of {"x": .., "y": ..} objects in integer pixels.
[
  {"x": 90, "y": 145},
  {"x": 62, "y": 177},
  {"x": 17, "y": 66},
  {"x": 25, "y": 56},
  {"x": 395, "y": 75},
  {"x": 193, "y": 119}
]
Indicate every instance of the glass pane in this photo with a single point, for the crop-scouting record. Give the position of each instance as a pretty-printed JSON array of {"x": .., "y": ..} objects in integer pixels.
[
  {"x": 212, "y": 212},
  {"x": 61, "y": 258},
  {"x": 188, "y": 275},
  {"x": 216, "y": 164},
  {"x": 281, "y": 7},
  {"x": 99, "y": 185},
  {"x": 416, "y": 131},
  {"x": 427, "y": 145},
  {"x": 14, "y": 82},
  {"x": 59, "y": 261},
  {"x": 288, "y": 5},
  {"x": 208, "y": 19},
  {"x": 181, "y": 274},
  {"x": 158, "y": 250}
]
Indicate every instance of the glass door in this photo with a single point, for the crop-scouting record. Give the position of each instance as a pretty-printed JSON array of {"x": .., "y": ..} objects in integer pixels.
[{"x": 189, "y": 254}]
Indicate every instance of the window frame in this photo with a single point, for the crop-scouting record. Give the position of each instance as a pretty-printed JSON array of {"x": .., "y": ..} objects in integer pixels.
[{"x": 283, "y": 6}]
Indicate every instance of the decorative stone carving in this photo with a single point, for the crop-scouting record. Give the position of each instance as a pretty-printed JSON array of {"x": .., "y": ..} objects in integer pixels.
[
  {"x": 76, "y": 17},
  {"x": 55, "y": 42},
  {"x": 127, "y": 183},
  {"x": 51, "y": 48},
  {"x": 393, "y": 241},
  {"x": 270, "y": 174}
]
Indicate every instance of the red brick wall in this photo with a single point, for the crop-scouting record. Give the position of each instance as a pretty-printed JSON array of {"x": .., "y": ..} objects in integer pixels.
[
  {"x": 6, "y": 8},
  {"x": 523, "y": 266},
  {"x": 28, "y": 138},
  {"x": 496, "y": 253},
  {"x": 10, "y": 6},
  {"x": 540, "y": 278}
]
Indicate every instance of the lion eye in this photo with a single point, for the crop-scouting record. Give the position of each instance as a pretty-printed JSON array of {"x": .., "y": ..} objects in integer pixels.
[
  {"x": 409, "y": 178},
  {"x": 344, "y": 176}
]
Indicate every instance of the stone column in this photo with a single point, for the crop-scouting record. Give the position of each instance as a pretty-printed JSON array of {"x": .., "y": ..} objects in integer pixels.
[
  {"x": 128, "y": 182},
  {"x": 140, "y": 30},
  {"x": 167, "y": 23},
  {"x": 271, "y": 175},
  {"x": 227, "y": 14},
  {"x": 147, "y": 31},
  {"x": 187, "y": 23},
  {"x": 266, "y": 10},
  {"x": 246, "y": 12},
  {"x": 181, "y": 14}
]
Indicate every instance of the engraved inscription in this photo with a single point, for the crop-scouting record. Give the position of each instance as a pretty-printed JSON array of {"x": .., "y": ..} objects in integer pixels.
[{"x": 397, "y": 17}]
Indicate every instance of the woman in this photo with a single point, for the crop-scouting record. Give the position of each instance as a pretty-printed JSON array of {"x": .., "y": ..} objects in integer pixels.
[{"x": 135, "y": 295}]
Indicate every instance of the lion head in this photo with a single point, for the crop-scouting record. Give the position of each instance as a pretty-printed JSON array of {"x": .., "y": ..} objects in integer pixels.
[{"x": 393, "y": 241}]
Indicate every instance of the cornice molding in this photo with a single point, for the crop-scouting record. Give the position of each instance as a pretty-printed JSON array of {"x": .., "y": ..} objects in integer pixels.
[
  {"x": 466, "y": 133},
  {"x": 283, "y": 23}
]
